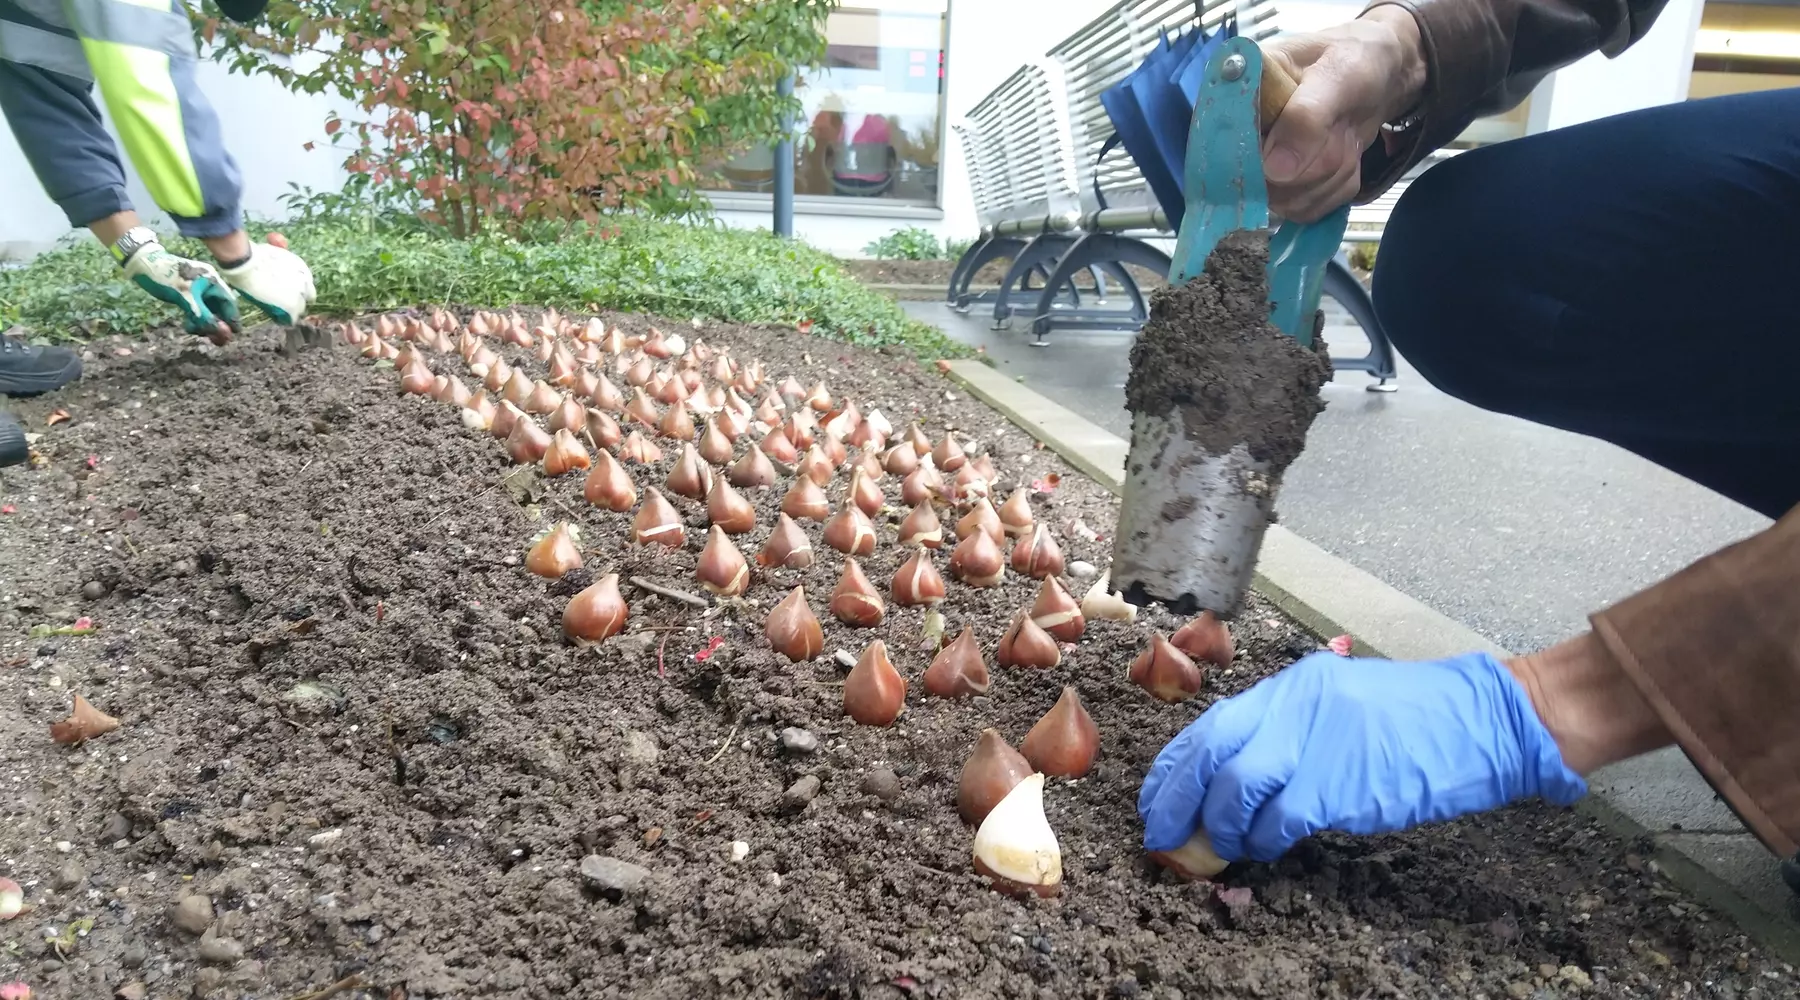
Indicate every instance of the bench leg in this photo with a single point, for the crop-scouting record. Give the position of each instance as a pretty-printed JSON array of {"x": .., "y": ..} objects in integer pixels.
[
  {"x": 1109, "y": 252},
  {"x": 973, "y": 260},
  {"x": 1341, "y": 285},
  {"x": 1041, "y": 251}
]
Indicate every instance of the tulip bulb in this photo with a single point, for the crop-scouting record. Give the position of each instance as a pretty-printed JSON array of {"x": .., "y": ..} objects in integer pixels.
[
  {"x": 1037, "y": 556},
  {"x": 518, "y": 388},
  {"x": 656, "y": 345},
  {"x": 1101, "y": 602},
  {"x": 917, "y": 582},
  {"x": 569, "y": 415},
  {"x": 922, "y": 527},
  {"x": 478, "y": 413},
  {"x": 921, "y": 444},
  {"x": 1015, "y": 514},
  {"x": 597, "y": 613},
  {"x": 528, "y": 442},
  {"x": 869, "y": 464},
  {"x": 792, "y": 630},
  {"x": 676, "y": 423},
  {"x": 607, "y": 486},
  {"x": 690, "y": 477},
  {"x": 791, "y": 390},
  {"x": 819, "y": 399},
  {"x": 638, "y": 448},
  {"x": 505, "y": 418},
  {"x": 554, "y": 552},
  {"x": 920, "y": 485},
  {"x": 879, "y": 424},
  {"x": 992, "y": 771},
  {"x": 481, "y": 359},
  {"x": 832, "y": 447},
  {"x": 455, "y": 392},
  {"x": 1194, "y": 860},
  {"x": 84, "y": 723},
  {"x": 976, "y": 561},
  {"x": 1056, "y": 612},
  {"x": 769, "y": 412},
  {"x": 800, "y": 428},
  {"x": 752, "y": 470},
  {"x": 1065, "y": 740},
  {"x": 642, "y": 409},
  {"x": 722, "y": 569},
  {"x": 1165, "y": 671},
  {"x": 543, "y": 399},
  {"x": 805, "y": 501},
  {"x": 731, "y": 426},
  {"x": 864, "y": 493},
  {"x": 787, "y": 547},
  {"x": 816, "y": 466},
  {"x": 900, "y": 460},
  {"x": 656, "y": 521},
  {"x": 565, "y": 454},
  {"x": 1015, "y": 846},
  {"x": 714, "y": 446},
  {"x": 981, "y": 517},
  {"x": 874, "y": 692},
  {"x": 777, "y": 446},
  {"x": 640, "y": 372},
  {"x": 603, "y": 429},
  {"x": 607, "y": 396},
  {"x": 958, "y": 671},
  {"x": 1027, "y": 645},
  {"x": 499, "y": 376},
  {"x": 854, "y": 601},
  {"x": 416, "y": 379},
  {"x": 948, "y": 455},
  {"x": 850, "y": 531},
  {"x": 561, "y": 371},
  {"x": 1206, "y": 639}
]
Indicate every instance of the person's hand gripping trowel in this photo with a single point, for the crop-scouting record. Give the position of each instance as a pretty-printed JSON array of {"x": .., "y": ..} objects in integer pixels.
[{"x": 1224, "y": 384}]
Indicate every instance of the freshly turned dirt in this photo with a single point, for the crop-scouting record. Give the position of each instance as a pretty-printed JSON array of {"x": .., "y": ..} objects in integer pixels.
[
  {"x": 1210, "y": 354},
  {"x": 350, "y": 721}
]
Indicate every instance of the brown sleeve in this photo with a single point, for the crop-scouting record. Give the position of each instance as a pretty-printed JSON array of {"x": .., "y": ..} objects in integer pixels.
[
  {"x": 1715, "y": 649},
  {"x": 1485, "y": 56}
]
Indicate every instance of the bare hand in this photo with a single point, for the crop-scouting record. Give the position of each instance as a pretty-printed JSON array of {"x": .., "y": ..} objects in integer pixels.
[{"x": 1353, "y": 77}]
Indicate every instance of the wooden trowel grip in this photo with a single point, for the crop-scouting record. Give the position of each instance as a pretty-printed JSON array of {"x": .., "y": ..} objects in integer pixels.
[{"x": 1277, "y": 88}]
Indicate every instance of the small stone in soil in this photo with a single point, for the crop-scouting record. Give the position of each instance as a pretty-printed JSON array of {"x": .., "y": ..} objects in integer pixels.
[
  {"x": 612, "y": 877},
  {"x": 193, "y": 914},
  {"x": 797, "y": 740},
  {"x": 117, "y": 828},
  {"x": 93, "y": 590},
  {"x": 800, "y": 793},
  {"x": 640, "y": 748},
  {"x": 219, "y": 950},
  {"x": 131, "y": 991},
  {"x": 134, "y": 956},
  {"x": 70, "y": 875},
  {"x": 1083, "y": 570},
  {"x": 882, "y": 783}
]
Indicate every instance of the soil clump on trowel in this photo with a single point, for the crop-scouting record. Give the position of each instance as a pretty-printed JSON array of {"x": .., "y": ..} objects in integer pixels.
[{"x": 1210, "y": 352}]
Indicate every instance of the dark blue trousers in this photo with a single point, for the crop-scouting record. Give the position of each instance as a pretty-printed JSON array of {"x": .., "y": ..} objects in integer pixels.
[{"x": 1635, "y": 278}]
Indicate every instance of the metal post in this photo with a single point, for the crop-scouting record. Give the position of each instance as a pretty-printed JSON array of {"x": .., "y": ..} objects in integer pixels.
[{"x": 784, "y": 165}]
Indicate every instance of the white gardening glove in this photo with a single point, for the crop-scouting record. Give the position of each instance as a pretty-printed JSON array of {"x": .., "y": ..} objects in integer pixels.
[
  {"x": 206, "y": 303},
  {"x": 276, "y": 280}
]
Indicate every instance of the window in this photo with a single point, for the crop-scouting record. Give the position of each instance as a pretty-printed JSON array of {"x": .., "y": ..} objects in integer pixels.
[{"x": 873, "y": 123}]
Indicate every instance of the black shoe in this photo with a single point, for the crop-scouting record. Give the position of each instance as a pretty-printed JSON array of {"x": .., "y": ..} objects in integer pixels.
[
  {"x": 12, "y": 441},
  {"x": 27, "y": 369},
  {"x": 1790, "y": 873}
]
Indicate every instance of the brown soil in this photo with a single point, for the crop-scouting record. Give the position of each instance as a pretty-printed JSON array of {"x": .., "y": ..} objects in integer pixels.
[{"x": 350, "y": 722}]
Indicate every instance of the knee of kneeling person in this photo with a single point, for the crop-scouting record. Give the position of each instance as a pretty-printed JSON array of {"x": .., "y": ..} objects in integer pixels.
[{"x": 1424, "y": 271}]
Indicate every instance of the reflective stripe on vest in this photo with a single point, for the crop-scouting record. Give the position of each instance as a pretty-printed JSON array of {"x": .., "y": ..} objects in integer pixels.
[
  {"x": 29, "y": 46},
  {"x": 147, "y": 25}
]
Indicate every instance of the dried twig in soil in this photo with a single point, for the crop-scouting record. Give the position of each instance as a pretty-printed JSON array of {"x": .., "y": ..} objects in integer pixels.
[
  {"x": 724, "y": 746},
  {"x": 668, "y": 592},
  {"x": 349, "y": 982}
]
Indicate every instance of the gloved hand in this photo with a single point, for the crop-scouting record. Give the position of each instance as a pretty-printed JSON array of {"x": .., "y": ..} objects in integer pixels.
[
  {"x": 207, "y": 305},
  {"x": 1358, "y": 745},
  {"x": 276, "y": 280}
]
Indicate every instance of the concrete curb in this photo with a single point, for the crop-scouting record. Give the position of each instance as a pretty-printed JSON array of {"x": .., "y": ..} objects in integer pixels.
[{"x": 1331, "y": 597}]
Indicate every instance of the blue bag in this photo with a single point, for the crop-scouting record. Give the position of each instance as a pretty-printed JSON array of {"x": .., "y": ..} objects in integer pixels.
[{"x": 1151, "y": 108}]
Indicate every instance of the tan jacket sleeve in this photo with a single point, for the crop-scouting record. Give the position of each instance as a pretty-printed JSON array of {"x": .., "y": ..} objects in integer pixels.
[
  {"x": 1715, "y": 649},
  {"x": 1485, "y": 56}
]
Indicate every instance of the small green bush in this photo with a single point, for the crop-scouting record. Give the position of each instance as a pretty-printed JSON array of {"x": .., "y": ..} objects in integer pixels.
[
  {"x": 910, "y": 243},
  {"x": 373, "y": 261},
  {"x": 1362, "y": 256}
]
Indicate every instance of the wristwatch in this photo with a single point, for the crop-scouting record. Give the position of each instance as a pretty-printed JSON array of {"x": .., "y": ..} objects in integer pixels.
[{"x": 134, "y": 240}]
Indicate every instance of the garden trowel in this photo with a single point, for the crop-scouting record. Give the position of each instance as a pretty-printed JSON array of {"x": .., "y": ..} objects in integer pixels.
[{"x": 1198, "y": 495}]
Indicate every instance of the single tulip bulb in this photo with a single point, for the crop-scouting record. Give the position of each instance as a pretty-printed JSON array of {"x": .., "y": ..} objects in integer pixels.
[
  {"x": 869, "y": 464},
  {"x": 900, "y": 460},
  {"x": 606, "y": 395},
  {"x": 958, "y": 671},
  {"x": 506, "y": 415},
  {"x": 970, "y": 484},
  {"x": 1015, "y": 513},
  {"x": 981, "y": 517},
  {"x": 752, "y": 470},
  {"x": 1193, "y": 860},
  {"x": 722, "y": 569},
  {"x": 638, "y": 448},
  {"x": 1056, "y": 612},
  {"x": 993, "y": 770},
  {"x": 518, "y": 389},
  {"x": 596, "y": 613},
  {"x": 482, "y": 409},
  {"x": 603, "y": 429},
  {"x": 805, "y": 501},
  {"x": 769, "y": 412},
  {"x": 855, "y": 600},
  {"x": 569, "y": 415},
  {"x": 787, "y": 546},
  {"x": 691, "y": 477},
  {"x": 543, "y": 399},
  {"x": 921, "y": 485},
  {"x": 656, "y": 521},
  {"x": 554, "y": 552},
  {"x": 776, "y": 445},
  {"x": 84, "y": 723},
  {"x": 714, "y": 446},
  {"x": 917, "y": 581},
  {"x": 922, "y": 527},
  {"x": 1206, "y": 639},
  {"x": 948, "y": 455},
  {"x": 819, "y": 399},
  {"x": 1165, "y": 671},
  {"x": 565, "y": 454},
  {"x": 1015, "y": 846},
  {"x": 1065, "y": 741},
  {"x": 864, "y": 493},
  {"x": 528, "y": 442},
  {"x": 832, "y": 447},
  {"x": 800, "y": 428},
  {"x": 727, "y": 509},
  {"x": 416, "y": 378},
  {"x": 849, "y": 531},
  {"x": 1037, "y": 555},
  {"x": 1027, "y": 645},
  {"x": 607, "y": 486},
  {"x": 874, "y": 692},
  {"x": 792, "y": 629},
  {"x": 814, "y": 465},
  {"x": 642, "y": 409},
  {"x": 677, "y": 423},
  {"x": 791, "y": 390},
  {"x": 976, "y": 561}
]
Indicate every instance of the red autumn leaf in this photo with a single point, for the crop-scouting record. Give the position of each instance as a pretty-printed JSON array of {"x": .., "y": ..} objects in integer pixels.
[
  {"x": 332, "y": 125},
  {"x": 712, "y": 646}
]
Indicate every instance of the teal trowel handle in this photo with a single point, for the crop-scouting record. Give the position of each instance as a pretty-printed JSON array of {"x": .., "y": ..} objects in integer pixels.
[{"x": 1226, "y": 192}]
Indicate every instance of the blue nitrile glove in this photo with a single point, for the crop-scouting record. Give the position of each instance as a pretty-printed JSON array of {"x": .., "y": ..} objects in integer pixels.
[{"x": 1358, "y": 745}]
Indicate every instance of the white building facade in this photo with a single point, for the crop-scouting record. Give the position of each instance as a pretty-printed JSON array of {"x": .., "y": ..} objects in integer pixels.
[{"x": 875, "y": 150}]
